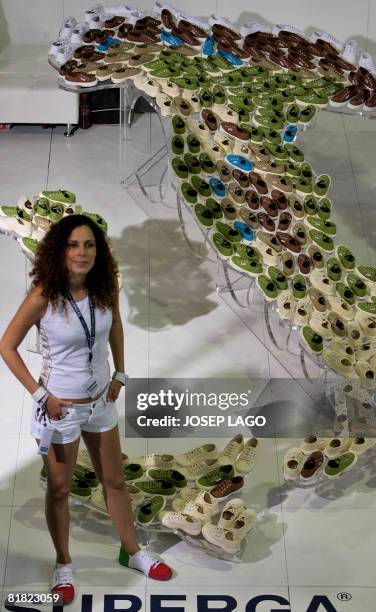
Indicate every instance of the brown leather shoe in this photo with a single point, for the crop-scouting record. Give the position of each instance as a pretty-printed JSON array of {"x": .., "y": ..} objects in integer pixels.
[
  {"x": 304, "y": 264},
  {"x": 124, "y": 29},
  {"x": 266, "y": 222},
  {"x": 81, "y": 79},
  {"x": 142, "y": 36},
  {"x": 227, "y": 487},
  {"x": 343, "y": 96},
  {"x": 312, "y": 464},
  {"x": 241, "y": 178},
  {"x": 219, "y": 31},
  {"x": 210, "y": 119},
  {"x": 68, "y": 67},
  {"x": 269, "y": 206},
  {"x": 167, "y": 19},
  {"x": 192, "y": 28},
  {"x": 91, "y": 35},
  {"x": 83, "y": 49},
  {"x": 103, "y": 35},
  {"x": 258, "y": 183},
  {"x": 233, "y": 130},
  {"x": 284, "y": 221},
  {"x": 280, "y": 199},
  {"x": 289, "y": 242},
  {"x": 114, "y": 22},
  {"x": 370, "y": 105},
  {"x": 252, "y": 199},
  {"x": 186, "y": 37}
]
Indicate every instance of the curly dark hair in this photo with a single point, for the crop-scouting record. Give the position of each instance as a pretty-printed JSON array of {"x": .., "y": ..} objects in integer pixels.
[{"x": 50, "y": 273}]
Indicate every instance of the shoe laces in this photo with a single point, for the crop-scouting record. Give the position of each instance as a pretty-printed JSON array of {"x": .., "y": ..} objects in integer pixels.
[
  {"x": 248, "y": 453},
  {"x": 149, "y": 559},
  {"x": 231, "y": 449},
  {"x": 63, "y": 576}
]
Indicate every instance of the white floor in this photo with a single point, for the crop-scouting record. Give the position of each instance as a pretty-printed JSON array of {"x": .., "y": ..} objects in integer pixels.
[{"x": 319, "y": 541}]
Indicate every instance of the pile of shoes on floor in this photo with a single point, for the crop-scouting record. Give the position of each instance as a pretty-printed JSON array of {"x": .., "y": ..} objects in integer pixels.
[
  {"x": 196, "y": 482},
  {"x": 331, "y": 457},
  {"x": 31, "y": 218}
]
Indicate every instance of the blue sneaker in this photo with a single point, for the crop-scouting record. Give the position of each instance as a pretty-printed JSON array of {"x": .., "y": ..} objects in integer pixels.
[
  {"x": 244, "y": 230},
  {"x": 208, "y": 47},
  {"x": 239, "y": 162},
  {"x": 230, "y": 58},
  {"x": 217, "y": 186},
  {"x": 170, "y": 39},
  {"x": 290, "y": 132},
  {"x": 106, "y": 44}
]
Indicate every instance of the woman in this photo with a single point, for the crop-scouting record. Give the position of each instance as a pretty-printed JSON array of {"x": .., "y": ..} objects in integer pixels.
[{"x": 74, "y": 303}]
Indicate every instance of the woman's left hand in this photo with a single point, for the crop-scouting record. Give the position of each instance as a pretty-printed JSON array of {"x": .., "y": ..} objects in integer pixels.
[{"x": 113, "y": 391}]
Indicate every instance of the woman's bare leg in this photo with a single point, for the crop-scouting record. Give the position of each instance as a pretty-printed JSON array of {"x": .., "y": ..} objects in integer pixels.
[
  {"x": 59, "y": 463},
  {"x": 105, "y": 453}
]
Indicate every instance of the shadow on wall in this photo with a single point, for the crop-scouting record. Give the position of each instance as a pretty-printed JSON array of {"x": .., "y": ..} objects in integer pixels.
[
  {"x": 4, "y": 36},
  {"x": 162, "y": 279}
]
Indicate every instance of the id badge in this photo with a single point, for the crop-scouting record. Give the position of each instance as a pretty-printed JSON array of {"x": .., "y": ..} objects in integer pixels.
[
  {"x": 46, "y": 439},
  {"x": 91, "y": 387}
]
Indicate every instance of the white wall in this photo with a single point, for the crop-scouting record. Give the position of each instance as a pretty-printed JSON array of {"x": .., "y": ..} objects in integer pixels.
[{"x": 38, "y": 21}]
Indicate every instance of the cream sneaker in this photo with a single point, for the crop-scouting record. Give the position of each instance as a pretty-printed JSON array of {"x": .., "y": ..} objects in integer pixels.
[
  {"x": 339, "y": 363},
  {"x": 231, "y": 450},
  {"x": 196, "y": 470},
  {"x": 285, "y": 305},
  {"x": 362, "y": 445},
  {"x": 230, "y": 512},
  {"x": 176, "y": 520},
  {"x": 247, "y": 458},
  {"x": 293, "y": 463},
  {"x": 155, "y": 461},
  {"x": 341, "y": 346},
  {"x": 312, "y": 443},
  {"x": 337, "y": 447},
  {"x": 303, "y": 310},
  {"x": 366, "y": 373},
  {"x": 223, "y": 538},
  {"x": 244, "y": 523},
  {"x": 200, "y": 453},
  {"x": 197, "y": 512}
]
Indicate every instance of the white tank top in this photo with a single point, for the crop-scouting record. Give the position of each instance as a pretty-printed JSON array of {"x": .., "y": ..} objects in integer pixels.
[{"x": 65, "y": 368}]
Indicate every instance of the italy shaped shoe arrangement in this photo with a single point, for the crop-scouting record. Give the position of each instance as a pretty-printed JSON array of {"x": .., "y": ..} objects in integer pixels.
[
  {"x": 329, "y": 457},
  {"x": 31, "y": 218}
]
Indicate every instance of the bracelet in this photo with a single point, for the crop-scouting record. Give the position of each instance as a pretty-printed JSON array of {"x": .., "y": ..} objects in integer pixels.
[
  {"x": 39, "y": 394},
  {"x": 121, "y": 377}
]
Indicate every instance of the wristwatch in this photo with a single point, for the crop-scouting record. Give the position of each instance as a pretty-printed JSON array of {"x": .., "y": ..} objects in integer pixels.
[{"x": 121, "y": 377}]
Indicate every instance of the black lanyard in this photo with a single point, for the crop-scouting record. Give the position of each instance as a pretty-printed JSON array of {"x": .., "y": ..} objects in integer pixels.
[{"x": 90, "y": 336}]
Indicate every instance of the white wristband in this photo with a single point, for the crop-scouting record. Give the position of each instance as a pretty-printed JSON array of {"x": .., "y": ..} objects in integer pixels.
[
  {"x": 39, "y": 394},
  {"x": 121, "y": 377}
]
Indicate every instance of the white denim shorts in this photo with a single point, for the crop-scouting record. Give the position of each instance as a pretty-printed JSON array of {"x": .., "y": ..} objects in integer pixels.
[{"x": 95, "y": 417}]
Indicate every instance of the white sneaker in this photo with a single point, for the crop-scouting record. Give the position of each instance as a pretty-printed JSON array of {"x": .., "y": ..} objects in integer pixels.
[
  {"x": 366, "y": 373},
  {"x": 303, "y": 309},
  {"x": 177, "y": 520},
  {"x": 244, "y": 523},
  {"x": 366, "y": 61},
  {"x": 337, "y": 447},
  {"x": 135, "y": 494},
  {"x": 321, "y": 281},
  {"x": 63, "y": 54},
  {"x": 149, "y": 86},
  {"x": 293, "y": 463},
  {"x": 253, "y": 26},
  {"x": 328, "y": 38},
  {"x": 187, "y": 494},
  {"x": 16, "y": 225},
  {"x": 77, "y": 36},
  {"x": 231, "y": 450},
  {"x": 207, "y": 501},
  {"x": 66, "y": 31},
  {"x": 223, "y": 538},
  {"x": 206, "y": 451},
  {"x": 285, "y": 305},
  {"x": 120, "y": 9},
  {"x": 97, "y": 500},
  {"x": 311, "y": 444},
  {"x": 27, "y": 204},
  {"x": 71, "y": 20},
  {"x": 338, "y": 363},
  {"x": 341, "y": 346},
  {"x": 170, "y": 89},
  {"x": 56, "y": 45},
  {"x": 197, "y": 512},
  {"x": 247, "y": 458},
  {"x": 165, "y": 104},
  {"x": 92, "y": 11},
  {"x": 195, "y": 470},
  {"x": 229, "y": 513},
  {"x": 350, "y": 51},
  {"x": 155, "y": 461},
  {"x": 63, "y": 582},
  {"x": 362, "y": 445}
]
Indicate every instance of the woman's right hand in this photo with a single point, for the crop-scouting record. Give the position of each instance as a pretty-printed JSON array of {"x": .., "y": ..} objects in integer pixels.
[{"x": 54, "y": 407}]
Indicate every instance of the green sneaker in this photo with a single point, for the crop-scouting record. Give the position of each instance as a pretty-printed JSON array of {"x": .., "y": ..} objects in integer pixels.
[
  {"x": 193, "y": 143},
  {"x": 229, "y": 80},
  {"x": 322, "y": 185},
  {"x": 214, "y": 208},
  {"x": 272, "y": 136},
  {"x": 306, "y": 171},
  {"x": 80, "y": 489},
  {"x": 102, "y": 224},
  {"x": 324, "y": 208},
  {"x": 179, "y": 167},
  {"x": 268, "y": 287},
  {"x": 150, "y": 510},
  {"x": 206, "y": 98},
  {"x": 310, "y": 205},
  {"x": 204, "y": 215},
  {"x": 317, "y": 99},
  {"x": 368, "y": 307},
  {"x": 207, "y": 65},
  {"x": 215, "y": 477},
  {"x": 132, "y": 471},
  {"x": 178, "y": 124},
  {"x": 155, "y": 487},
  {"x": 346, "y": 257},
  {"x": 318, "y": 83},
  {"x": 269, "y": 121},
  {"x": 177, "y": 145},
  {"x": 248, "y": 252},
  {"x": 299, "y": 286},
  {"x": 61, "y": 196},
  {"x": 336, "y": 467},
  {"x": 188, "y": 82},
  {"x": 56, "y": 212},
  {"x": 312, "y": 341},
  {"x": 357, "y": 286},
  {"x": 278, "y": 151},
  {"x": 345, "y": 293},
  {"x": 207, "y": 164},
  {"x": 333, "y": 269},
  {"x": 241, "y": 103},
  {"x": 293, "y": 113},
  {"x": 307, "y": 114},
  {"x": 278, "y": 277},
  {"x": 82, "y": 473},
  {"x": 244, "y": 116},
  {"x": 256, "y": 134},
  {"x": 267, "y": 102},
  {"x": 29, "y": 245},
  {"x": 193, "y": 163},
  {"x": 222, "y": 245},
  {"x": 231, "y": 234},
  {"x": 219, "y": 95},
  {"x": 189, "y": 193},
  {"x": 173, "y": 476},
  {"x": 302, "y": 186},
  {"x": 245, "y": 264},
  {"x": 42, "y": 207},
  {"x": 324, "y": 241},
  {"x": 327, "y": 227},
  {"x": 292, "y": 169},
  {"x": 296, "y": 155},
  {"x": 166, "y": 72},
  {"x": 368, "y": 273},
  {"x": 201, "y": 186},
  {"x": 9, "y": 211}
]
